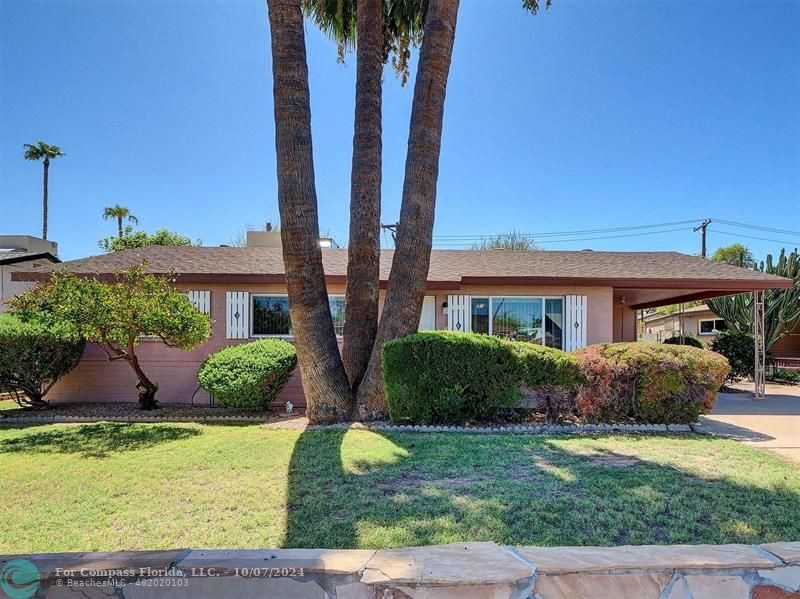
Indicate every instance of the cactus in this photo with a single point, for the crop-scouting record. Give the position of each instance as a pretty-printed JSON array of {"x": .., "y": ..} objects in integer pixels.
[{"x": 781, "y": 306}]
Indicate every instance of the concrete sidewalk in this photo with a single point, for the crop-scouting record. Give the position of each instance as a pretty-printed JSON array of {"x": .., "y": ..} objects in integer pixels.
[{"x": 772, "y": 423}]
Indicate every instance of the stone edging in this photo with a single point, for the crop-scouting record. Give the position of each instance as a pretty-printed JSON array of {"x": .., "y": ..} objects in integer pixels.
[
  {"x": 476, "y": 570},
  {"x": 373, "y": 426}
]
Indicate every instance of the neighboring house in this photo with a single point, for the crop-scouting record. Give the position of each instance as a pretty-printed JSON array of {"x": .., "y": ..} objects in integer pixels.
[
  {"x": 22, "y": 253},
  {"x": 701, "y": 322},
  {"x": 698, "y": 321},
  {"x": 560, "y": 299}
]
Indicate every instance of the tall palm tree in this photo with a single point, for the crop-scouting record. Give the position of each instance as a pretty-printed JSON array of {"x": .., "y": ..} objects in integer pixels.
[
  {"x": 44, "y": 152},
  {"x": 409, "y": 274},
  {"x": 324, "y": 378},
  {"x": 377, "y": 28},
  {"x": 120, "y": 213}
]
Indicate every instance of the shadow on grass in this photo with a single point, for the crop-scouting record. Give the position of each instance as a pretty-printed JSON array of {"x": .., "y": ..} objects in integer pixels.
[
  {"x": 95, "y": 440},
  {"x": 440, "y": 488}
]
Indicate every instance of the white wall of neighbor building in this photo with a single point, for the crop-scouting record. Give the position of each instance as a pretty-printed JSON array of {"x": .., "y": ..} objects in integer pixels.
[{"x": 30, "y": 245}]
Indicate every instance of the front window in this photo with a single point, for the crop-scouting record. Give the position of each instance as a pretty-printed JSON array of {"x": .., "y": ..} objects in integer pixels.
[
  {"x": 712, "y": 326},
  {"x": 337, "y": 312},
  {"x": 532, "y": 319},
  {"x": 271, "y": 315}
]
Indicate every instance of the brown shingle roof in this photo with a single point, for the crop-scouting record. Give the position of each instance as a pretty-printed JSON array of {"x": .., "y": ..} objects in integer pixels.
[{"x": 447, "y": 266}]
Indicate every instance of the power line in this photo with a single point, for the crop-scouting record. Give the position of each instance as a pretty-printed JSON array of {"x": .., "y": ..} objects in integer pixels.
[
  {"x": 746, "y": 226},
  {"x": 460, "y": 244},
  {"x": 736, "y": 234},
  {"x": 579, "y": 232}
]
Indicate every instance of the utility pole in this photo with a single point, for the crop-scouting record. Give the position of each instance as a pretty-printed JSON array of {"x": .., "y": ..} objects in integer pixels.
[
  {"x": 393, "y": 229},
  {"x": 703, "y": 228}
]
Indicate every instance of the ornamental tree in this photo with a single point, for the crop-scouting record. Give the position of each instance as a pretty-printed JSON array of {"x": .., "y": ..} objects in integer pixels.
[
  {"x": 128, "y": 239},
  {"x": 117, "y": 315}
]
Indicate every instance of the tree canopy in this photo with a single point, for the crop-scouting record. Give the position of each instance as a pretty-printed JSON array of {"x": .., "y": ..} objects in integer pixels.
[
  {"x": 510, "y": 240},
  {"x": 116, "y": 315},
  {"x": 41, "y": 151},
  {"x": 137, "y": 239},
  {"x": 736, "y": 254}
]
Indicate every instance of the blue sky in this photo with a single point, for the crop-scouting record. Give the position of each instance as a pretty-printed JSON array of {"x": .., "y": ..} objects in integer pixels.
[{"x": 591, "y": 115}]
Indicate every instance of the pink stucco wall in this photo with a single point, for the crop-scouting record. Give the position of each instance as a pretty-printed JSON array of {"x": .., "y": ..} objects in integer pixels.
[{"x": 96, "y": 379}]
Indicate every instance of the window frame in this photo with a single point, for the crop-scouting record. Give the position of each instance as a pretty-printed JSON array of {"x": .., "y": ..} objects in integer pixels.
[
  {"x": 714, "y": 329},
  {"x": 543, "y": 298},
  {"x": 253, "y": 296}
]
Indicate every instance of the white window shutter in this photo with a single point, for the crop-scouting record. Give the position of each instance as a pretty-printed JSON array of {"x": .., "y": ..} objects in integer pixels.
[
  {"x": 458, "y": 313},
  {"x": 575, "y": 324},
  {"x": 237, "y": 314},
  {"x": 427, "y": 320},
  {"x": 200, "y": 300}
]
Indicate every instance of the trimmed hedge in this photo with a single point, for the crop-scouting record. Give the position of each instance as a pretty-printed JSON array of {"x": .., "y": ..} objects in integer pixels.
[
  {"x": 442, "y": 377},
  {"x": 248, "y": 375},
  {"x": 649, "y": 382},
  {"x": 687, "y": 340},
  {"x": 33, "y": 358},
  {"x": 547, "y": 366}
]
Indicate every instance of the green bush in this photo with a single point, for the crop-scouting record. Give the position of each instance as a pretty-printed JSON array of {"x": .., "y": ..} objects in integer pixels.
[
  {"x": 248, "y": 375},
  {"x": 783, "y": 375},
  {"x": 546, "y": 366},
  {"x": 553, "y": 374},
  {"x": 447, "y": 377},
  {"x": 33, "y": 358},
  {"x": 739, "y": 349},
  {"x": 650, "y": 382},
  {"x": 687, "y": 340}
]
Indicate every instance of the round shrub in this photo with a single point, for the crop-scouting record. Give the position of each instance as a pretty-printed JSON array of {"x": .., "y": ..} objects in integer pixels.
[
  {"x": 248, "y": 375},
  {"x": 33, "y": 358},
  {"x": 444, "y": 377},
  {"x": 687, "y": 340},
  {"x": 651, "y": 382},
  {"x": 739, "y": 349}
]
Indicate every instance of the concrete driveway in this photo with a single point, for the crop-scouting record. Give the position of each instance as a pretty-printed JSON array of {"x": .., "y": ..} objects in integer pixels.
[{"x": 772, "y": 423}]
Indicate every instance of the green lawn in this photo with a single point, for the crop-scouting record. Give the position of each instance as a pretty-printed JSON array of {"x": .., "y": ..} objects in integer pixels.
[{"x": 111, "y": 486}]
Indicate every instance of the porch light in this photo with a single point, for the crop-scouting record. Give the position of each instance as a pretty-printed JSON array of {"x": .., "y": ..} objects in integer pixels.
[{"x": 444, "y": 307}]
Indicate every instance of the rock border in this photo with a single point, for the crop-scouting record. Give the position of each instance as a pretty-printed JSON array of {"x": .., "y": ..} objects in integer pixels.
[
  {"x": 373, "y": 426},
  {"x": 476, "y": 570}
]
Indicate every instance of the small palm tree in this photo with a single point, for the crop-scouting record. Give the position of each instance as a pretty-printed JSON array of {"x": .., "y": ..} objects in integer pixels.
[
  {"x": 44, "y": 152},
  {"x": 120, "y": 213}
]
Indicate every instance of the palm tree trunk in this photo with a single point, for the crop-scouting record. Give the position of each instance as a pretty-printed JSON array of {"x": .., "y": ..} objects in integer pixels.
[
  {"x": 363, "y": 256},
  {"x": 409, "y": 273},
  {"x": 324, "y": 378},
  {"x": 119, "y": 226},
  {"x": 44, "y": 198}
]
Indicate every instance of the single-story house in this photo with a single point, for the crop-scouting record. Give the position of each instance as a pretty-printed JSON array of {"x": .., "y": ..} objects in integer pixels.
[
  {"x": 564, "y": 299},
  {"x": 22, "y": 253},
  {"x": 698, "y": 321}
]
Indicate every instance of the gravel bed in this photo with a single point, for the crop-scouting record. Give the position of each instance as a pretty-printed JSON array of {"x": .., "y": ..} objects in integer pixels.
[
  {"x": 130, "y": 412},
  {"x": 89, "y": 412}
]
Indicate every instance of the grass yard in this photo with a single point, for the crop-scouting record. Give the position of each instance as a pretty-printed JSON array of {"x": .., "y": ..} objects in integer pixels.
[{"x": 110, "y": 486}]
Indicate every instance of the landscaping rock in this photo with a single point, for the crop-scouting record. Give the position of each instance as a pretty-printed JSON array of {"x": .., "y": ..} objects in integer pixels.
[
  {"x": 770, "y": 592},
  {"x": 593, "y": 586},
  {"x": 788, "y": 577},
  {"x": 561, "y": 560},
  {"x": 716, "y": 587},
  {"x": 788, "y": 552},
  {"x": 459, "y": 563}
]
